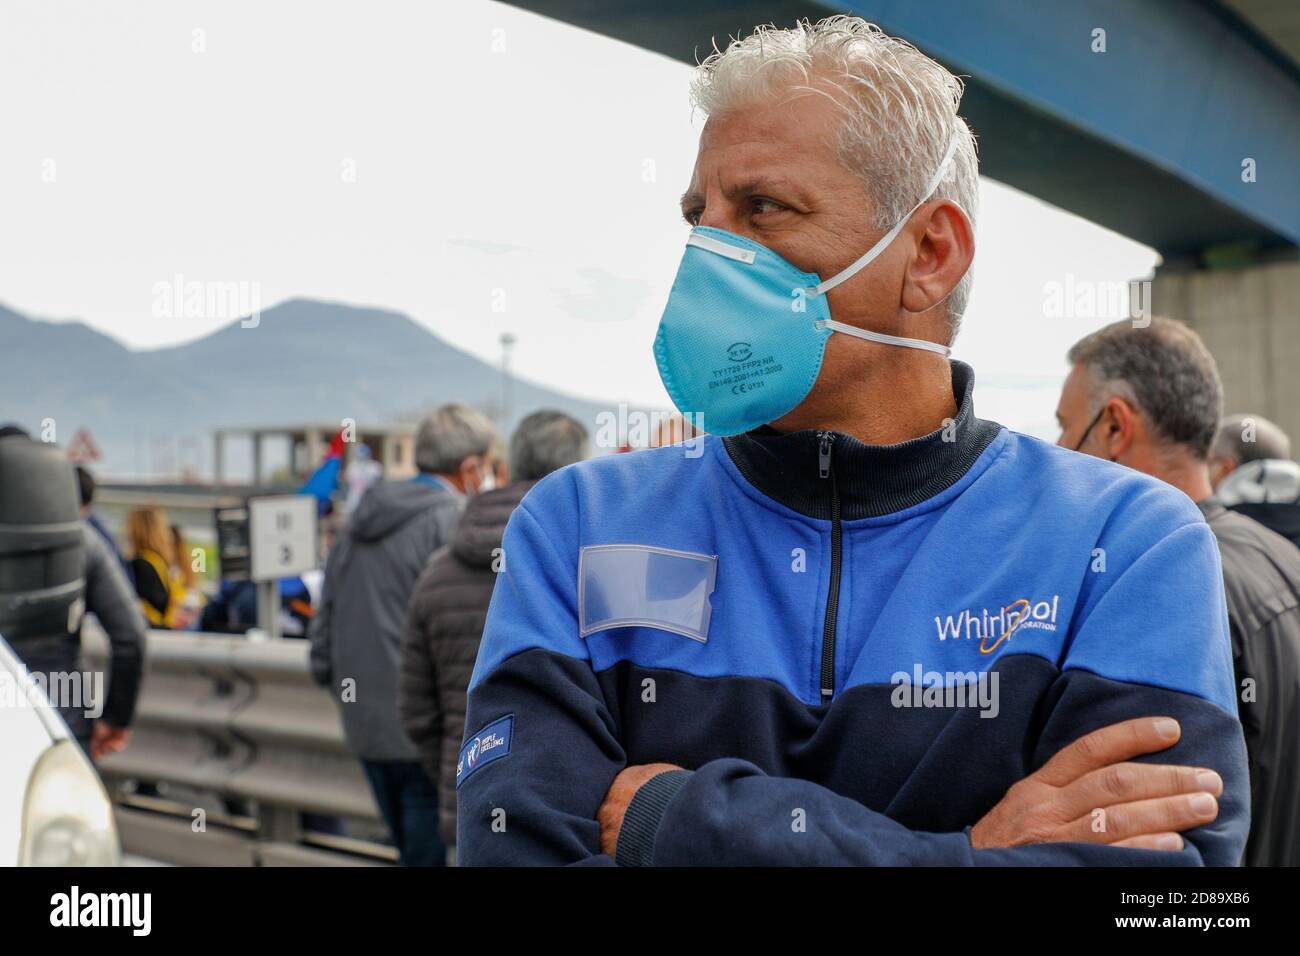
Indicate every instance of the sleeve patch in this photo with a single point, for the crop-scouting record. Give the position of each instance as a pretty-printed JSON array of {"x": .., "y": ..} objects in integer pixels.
[{"x": 489, "y": 744}]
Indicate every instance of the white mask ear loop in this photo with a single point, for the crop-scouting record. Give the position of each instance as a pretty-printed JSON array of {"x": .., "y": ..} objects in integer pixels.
[
  {"x": 890, "y": 236},
  {"x": 882, "y": 338}
]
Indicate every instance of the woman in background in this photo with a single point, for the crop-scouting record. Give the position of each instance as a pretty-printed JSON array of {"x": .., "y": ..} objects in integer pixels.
[
  {"x": 149, "y": 543},
  {"x": 186, "y": 594}
]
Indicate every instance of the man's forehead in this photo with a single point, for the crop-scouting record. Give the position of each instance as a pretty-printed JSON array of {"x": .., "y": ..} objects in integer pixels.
[
  {"x": 772, "y": 142},
  {"x": 801, "y": 118}
]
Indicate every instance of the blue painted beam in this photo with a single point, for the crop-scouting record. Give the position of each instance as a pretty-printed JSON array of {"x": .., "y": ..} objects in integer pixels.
[
  {"x": 1177, "y": 87},
  {"x": 1147, "y": 138}
]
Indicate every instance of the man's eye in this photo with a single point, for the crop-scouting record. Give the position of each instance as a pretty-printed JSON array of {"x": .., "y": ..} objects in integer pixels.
[
  {"x": 692, "y": 217},
  {"x": 762, "y": 205}
]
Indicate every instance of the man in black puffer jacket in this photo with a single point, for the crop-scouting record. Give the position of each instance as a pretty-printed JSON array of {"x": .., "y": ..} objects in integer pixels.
[{"x": 450, "y": 601}]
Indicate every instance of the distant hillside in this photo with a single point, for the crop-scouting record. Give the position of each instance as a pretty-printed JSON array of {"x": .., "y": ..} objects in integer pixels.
[{"x": 305, "y": 361}]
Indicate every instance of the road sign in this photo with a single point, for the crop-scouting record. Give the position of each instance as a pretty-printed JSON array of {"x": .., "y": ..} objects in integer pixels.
[
  {"x": 82, "y": 448},
  {"x": 232, "y": 542},
  {"x": 282, "y": 535}
]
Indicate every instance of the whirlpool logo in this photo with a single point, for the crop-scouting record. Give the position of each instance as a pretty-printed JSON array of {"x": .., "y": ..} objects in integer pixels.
[{"x": 993, "y": 627}]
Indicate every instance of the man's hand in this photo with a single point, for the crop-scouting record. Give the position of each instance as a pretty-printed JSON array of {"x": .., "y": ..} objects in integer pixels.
[
  {"x": 107, "y": 739},
  {"x": 621, "y": 791},
  {"x": 1089, "y": 793}
]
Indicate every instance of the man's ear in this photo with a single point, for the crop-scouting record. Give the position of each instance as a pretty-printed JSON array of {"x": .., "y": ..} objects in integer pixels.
[
  {"x": 1118, "y": 428},
  {"x": 468, "y": 472},
  {"x": 944, "y": 253},
  {"x": 1221, "y": 466}
]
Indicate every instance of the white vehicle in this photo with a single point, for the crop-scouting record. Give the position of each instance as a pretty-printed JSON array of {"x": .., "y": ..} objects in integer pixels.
[{"x": 54, "y": 810}]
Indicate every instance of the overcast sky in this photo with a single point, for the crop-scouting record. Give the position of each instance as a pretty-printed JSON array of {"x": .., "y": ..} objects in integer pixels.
[{"x": 480, "y": 168}]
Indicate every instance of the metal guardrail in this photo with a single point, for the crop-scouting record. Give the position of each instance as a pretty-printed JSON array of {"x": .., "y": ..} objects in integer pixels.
[{"x": 224, "y": 721}]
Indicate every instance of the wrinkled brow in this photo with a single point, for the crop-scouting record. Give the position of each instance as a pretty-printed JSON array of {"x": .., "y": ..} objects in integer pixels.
[{"x": 751, "y": 187}]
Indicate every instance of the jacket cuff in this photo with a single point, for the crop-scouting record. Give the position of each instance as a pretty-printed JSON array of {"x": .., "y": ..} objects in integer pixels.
[
  {"x": 636, "y": 838},
  {"x": 118, "y": 713}
]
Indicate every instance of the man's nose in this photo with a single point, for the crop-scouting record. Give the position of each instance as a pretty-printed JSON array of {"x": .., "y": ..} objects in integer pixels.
[{"x": 720, "y": 214}]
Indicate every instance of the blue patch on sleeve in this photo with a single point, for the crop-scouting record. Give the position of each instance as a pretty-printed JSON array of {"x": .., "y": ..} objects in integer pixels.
[{"x": 490, "y": 743}]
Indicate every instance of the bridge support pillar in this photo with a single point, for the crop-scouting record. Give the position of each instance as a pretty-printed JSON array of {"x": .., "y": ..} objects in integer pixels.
[{"x": 1249, "y": 317}]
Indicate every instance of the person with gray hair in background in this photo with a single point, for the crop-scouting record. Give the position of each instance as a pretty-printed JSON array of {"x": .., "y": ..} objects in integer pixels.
[
  {"x": 1253, "y": 474},
  {"x": 1150, "y": 398},
  {"x": 357, "y": 631},
  {"x": 450, "y": 603}
]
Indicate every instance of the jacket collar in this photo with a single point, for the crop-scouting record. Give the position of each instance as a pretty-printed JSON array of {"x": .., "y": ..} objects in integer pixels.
[
  {"x": 870, "y": 480},
  {"x": 1212, "y": 508},
  {"x": 482, "y": 524}
]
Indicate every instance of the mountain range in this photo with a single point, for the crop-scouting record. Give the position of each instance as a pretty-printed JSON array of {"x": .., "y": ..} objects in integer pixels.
[{"x": 151, "y": 411}]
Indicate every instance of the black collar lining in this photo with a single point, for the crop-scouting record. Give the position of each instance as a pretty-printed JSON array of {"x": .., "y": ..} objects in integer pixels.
[{"x": 872, "y": 480}]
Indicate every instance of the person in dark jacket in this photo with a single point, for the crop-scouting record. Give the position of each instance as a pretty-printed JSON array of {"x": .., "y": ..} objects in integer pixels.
[
  {"x": 1253, "y": 474},
  {"x": 100, "y": 729},
  {"x": 357, "y": 631},
  {"x": 99, "y": 725},
  {"x": 86, "y": 485},
  {"x": 110, "y": 597},
  {"x": 450, "y": 604},
  {"x": 1153, "y": 398}
]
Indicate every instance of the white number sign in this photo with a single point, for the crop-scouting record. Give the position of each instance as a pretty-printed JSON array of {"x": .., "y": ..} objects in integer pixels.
[{"x": 282, "y": 536}]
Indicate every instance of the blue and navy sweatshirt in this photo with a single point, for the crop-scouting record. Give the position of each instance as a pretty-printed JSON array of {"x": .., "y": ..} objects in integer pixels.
[{"x": 853, "y": 650}]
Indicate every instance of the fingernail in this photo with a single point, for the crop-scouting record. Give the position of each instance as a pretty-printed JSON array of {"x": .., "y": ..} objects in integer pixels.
[
  {"x": 1166, "y": 728},
  {"x": 1169, "y": 841},
  {"x": 1209, "y": 781},
  {"x": 1202, "y": 804}
]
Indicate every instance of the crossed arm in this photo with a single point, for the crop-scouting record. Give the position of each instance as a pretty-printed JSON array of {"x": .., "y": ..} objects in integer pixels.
[{"x": 1143, "y": 806}]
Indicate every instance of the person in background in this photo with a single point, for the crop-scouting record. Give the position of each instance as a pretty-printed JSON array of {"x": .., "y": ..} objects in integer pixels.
[
  {"x": 356, "y": 634},
  {"x": 86, "y": 484},
  {"x": 362, "y": 472},
  {"x": 185, "y": 582},
  {"x": 450, "y": 604},
  {"x": 149, "y": 543},
  {"x": 1150, "y": 398},
  {"x": 108, "y": 595},
  {"x": 233, "y": 609},
  {"x": 1253, "y": 474},
  {"x": 500, "y": 467}
]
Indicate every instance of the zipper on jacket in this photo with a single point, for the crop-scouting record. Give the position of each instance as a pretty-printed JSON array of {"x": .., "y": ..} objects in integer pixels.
[{"x": 824, "y": 470}]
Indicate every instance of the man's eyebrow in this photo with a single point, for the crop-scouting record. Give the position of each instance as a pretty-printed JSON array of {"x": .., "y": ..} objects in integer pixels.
[
  {"x": 759, "y": 184},
  {"x": 749, "y": 187}
]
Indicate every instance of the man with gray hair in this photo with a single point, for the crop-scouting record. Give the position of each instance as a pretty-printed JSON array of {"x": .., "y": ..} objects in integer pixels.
[
  {"x": 1253, "y": 474},
  {"x": 450, "y": 603},
  {"x": 1150, "y": 398},
  {"x": 781, "y": 642},
  {"x": 356, "y": 634}
]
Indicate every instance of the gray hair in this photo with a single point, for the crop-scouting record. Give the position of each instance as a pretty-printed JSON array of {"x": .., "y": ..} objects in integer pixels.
[
  {"x": 448, "y": 435},
  {"x": 1269, "y": 440},
  {"x": 900, "y": 110},
  {"x": 544, "y": 442},
  {"x": 1165, "y": 370}
]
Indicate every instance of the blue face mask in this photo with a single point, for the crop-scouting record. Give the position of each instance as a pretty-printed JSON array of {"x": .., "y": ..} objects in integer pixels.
[{"x": 742, "y": 336}]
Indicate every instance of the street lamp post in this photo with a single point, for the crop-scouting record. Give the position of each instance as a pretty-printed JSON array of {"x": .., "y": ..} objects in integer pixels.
[{"x": 507, "y": 343}]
